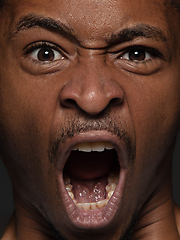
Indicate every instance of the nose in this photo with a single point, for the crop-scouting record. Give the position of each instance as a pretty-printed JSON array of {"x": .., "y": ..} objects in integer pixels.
[{"x": 91, "y": 88}]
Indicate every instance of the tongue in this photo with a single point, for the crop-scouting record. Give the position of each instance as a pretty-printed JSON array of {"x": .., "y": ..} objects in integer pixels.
[
  {"x": 84, "y": 166},
  {"x": 89, "y": 190},
  {"x": 89, "y": 173}
]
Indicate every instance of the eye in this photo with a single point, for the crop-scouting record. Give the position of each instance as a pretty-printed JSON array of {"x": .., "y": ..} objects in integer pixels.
[
  {"x": 139, "y": 59},
  {"x": 46, "y": 54},
  {"x": 45, "y": 57},
  {"x": 137, "y": 55}
]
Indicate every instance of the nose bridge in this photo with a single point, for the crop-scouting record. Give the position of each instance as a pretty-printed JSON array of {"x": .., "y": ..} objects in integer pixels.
[
  {"x": 92, "y": 86},
  {"x": 94, "y": 77}
]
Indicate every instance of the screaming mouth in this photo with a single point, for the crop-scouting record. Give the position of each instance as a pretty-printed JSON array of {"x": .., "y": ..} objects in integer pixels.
[{"x": 91, "y": 174}]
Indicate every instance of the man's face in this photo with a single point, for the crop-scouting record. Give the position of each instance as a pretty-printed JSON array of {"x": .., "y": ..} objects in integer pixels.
[{"x": 100, "y": 74}]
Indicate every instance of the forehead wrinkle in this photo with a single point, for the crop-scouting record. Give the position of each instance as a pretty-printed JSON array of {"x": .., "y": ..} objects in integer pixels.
[
  {"x": 124, "y": 35},
  {"x": 34, "y": 21}
]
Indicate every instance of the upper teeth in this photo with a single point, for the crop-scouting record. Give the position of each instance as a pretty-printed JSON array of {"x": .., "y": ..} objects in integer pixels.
[{"x": 93, "y": 146}]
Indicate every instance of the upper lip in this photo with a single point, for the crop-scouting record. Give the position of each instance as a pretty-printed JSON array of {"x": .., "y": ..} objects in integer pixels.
[
  {"x": 63, "y": 154},
  {"x": 93, "y": 136}
]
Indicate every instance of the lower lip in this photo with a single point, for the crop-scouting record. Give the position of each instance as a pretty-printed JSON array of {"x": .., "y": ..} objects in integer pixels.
[{"x": 93, "y": 219}]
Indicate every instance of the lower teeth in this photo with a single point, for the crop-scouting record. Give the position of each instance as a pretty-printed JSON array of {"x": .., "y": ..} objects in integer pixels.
[
  {"x": 110, "y": 188},
  {"x": 93, "y": 205}
]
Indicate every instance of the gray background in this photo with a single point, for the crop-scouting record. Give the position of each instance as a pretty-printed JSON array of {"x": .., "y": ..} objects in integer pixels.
[{"x": 6, "y": 197}]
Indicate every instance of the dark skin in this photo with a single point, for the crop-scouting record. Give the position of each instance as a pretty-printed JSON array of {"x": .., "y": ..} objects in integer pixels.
[{"x": 111, "y": 75}]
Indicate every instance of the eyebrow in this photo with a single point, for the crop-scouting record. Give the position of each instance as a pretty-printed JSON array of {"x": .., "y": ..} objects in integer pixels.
[
  {"x": 34, "y": 21},
  {"x": 125, "y": 35},
  {"x": 140, "y": 30}
]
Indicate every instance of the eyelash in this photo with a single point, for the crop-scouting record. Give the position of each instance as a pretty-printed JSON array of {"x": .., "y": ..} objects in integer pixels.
[
  {"x": 40, "y": 46},
  {"x": 153, "y": 53},
  {"x": 40, "y": 58}
]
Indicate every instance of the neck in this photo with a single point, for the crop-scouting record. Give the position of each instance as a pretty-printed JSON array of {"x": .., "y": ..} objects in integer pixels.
[
  {"x": 157, "y": 219},
  {"x": 26, "y": 224}
]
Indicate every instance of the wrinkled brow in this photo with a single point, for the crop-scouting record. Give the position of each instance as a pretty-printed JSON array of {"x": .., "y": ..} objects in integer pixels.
[
  {"x": 31, "y": 20},
  {"x": 140, "y": 30},
  {"x": 124, "y": 35}
]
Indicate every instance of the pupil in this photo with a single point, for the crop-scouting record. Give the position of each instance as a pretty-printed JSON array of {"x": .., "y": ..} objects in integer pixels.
[
  {"x": 46, "y": 55},
  {"x": 137, "y": 55}
]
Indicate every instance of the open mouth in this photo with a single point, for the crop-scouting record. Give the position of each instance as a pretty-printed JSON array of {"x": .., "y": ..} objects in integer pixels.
[{"x": 91, "y": 174}]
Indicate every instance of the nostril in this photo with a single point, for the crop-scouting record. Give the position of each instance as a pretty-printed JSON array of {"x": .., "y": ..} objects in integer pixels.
[
  {"x": 115, "y": 101},
  {"x": 91, "y": 97},
  {"x": 69, "y": 103}
]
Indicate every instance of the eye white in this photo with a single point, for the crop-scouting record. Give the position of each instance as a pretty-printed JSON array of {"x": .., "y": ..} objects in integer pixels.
[
  {"x": 46, "y": 54},
  {"x": 136, "y": 58}
]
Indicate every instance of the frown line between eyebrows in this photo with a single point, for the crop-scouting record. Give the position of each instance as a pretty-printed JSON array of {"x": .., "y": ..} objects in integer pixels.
[{"x": 124, "y": 35}]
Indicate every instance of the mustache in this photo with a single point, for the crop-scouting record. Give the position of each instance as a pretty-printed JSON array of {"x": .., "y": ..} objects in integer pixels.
[{"x": 75, "y": 125}]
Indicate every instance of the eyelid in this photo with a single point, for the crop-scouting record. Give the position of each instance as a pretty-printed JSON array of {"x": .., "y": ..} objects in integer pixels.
[
  {"x": 152, "y": 52},
  {"x": 147, "y": 56},
  {"x": 141, "y": 67},
  {"x": 35, "y": 46}
]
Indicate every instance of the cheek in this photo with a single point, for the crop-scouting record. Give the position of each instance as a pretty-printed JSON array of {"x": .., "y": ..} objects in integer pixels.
[
  {"x": 154, "y": 105},
  {"x": 26, "y": 157},
  {"x": 26, "y": 111},
  {"x": 27, "y": 106}
]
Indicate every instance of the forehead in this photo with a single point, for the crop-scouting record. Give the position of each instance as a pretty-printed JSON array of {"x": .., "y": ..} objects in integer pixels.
[{"x": 93, "y": 20}]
